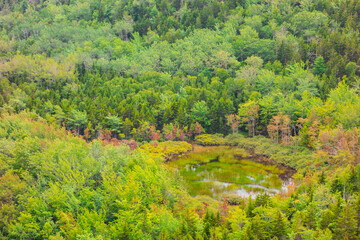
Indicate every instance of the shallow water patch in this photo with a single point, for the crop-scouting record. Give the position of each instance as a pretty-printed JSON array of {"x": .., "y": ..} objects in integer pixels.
[{"x": 219, "y": 171}]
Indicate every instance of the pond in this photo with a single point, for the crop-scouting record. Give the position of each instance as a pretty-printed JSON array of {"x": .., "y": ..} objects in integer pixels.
[{"x": 221, "y": 170}]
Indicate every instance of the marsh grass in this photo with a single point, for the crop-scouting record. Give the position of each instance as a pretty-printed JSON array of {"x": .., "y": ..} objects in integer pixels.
[{"x": 219, "y": 170}]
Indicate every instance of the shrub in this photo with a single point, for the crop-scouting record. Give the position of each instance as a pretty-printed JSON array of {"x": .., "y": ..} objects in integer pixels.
[
  {"x": 294, "y": 156},
  {"x": 166, "y": 149},
  {"x": 210, "y": 139}
]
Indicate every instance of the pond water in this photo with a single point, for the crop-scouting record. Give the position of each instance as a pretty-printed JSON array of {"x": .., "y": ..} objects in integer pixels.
[{"x": 221, "y": 171}]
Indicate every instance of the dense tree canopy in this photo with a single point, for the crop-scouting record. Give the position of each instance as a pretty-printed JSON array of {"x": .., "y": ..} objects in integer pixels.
[
  {"x": 155, "y": 60},
  {"x": 85, "y": 83}
]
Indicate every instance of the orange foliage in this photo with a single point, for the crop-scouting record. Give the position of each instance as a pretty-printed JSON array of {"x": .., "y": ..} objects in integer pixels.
[{"x": 279, "y": 127}]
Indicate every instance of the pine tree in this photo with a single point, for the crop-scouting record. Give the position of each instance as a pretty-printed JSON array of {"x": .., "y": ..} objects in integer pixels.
[
  {"x": 319, "y": 66},
  {"x": 310, "y": 220},
  {"x": 327, "y": 217},
  {"x": 250, "y": 208},
  {"x": 346, "y": 225},
  {"x": 279, "y": 228}
]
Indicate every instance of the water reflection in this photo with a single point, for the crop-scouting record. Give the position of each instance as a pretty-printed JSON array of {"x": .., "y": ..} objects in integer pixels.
[{"x": 214, "y": 171}]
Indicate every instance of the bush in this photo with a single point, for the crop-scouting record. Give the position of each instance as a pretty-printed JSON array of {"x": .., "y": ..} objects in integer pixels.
[
  {"x": 234, "y": 199},
  {"x": 166, "y": 149},
  {"x": 210, "y": 139},
  {"x": 294, "y": 156}
]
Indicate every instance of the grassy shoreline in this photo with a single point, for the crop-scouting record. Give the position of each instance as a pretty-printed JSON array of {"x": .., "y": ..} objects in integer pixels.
[{"x": 290, "y": 156}]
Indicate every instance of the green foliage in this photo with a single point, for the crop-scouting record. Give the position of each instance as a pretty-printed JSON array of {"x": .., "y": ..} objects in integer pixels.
[
  {"x": 175, "y": 62},
  {"x": 58, "y": 186},
  {"x": 199, "y": 113},
  {"x": 319, "y": 66},
  {"x": 114, "y": 124},
  {"x": 77, "y": 120},
  {"x": 128, "y": 69},
  {"x": 292, "y": 156}
]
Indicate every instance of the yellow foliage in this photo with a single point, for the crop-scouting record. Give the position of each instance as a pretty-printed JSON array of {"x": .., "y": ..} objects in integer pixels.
[
  {"x": 38, "y": 67},
  {"x": 166, "y": 149},
  {"x": 210, "y": 139}
]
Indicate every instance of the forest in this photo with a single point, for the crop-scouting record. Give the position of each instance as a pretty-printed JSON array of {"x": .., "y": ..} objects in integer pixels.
[{"x": 98, "y": 96}]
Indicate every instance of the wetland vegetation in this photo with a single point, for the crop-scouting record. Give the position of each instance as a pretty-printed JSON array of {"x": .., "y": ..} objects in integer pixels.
[{"x": 220, "y": 171}]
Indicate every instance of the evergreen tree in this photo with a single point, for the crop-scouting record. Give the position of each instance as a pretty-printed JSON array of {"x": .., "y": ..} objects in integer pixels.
[
  {"x": 346, "y": 225},
  {"x": 319, "y": 66},
  {"x": 250, "y": 207},
  {"x": 279, "y": 226}
]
